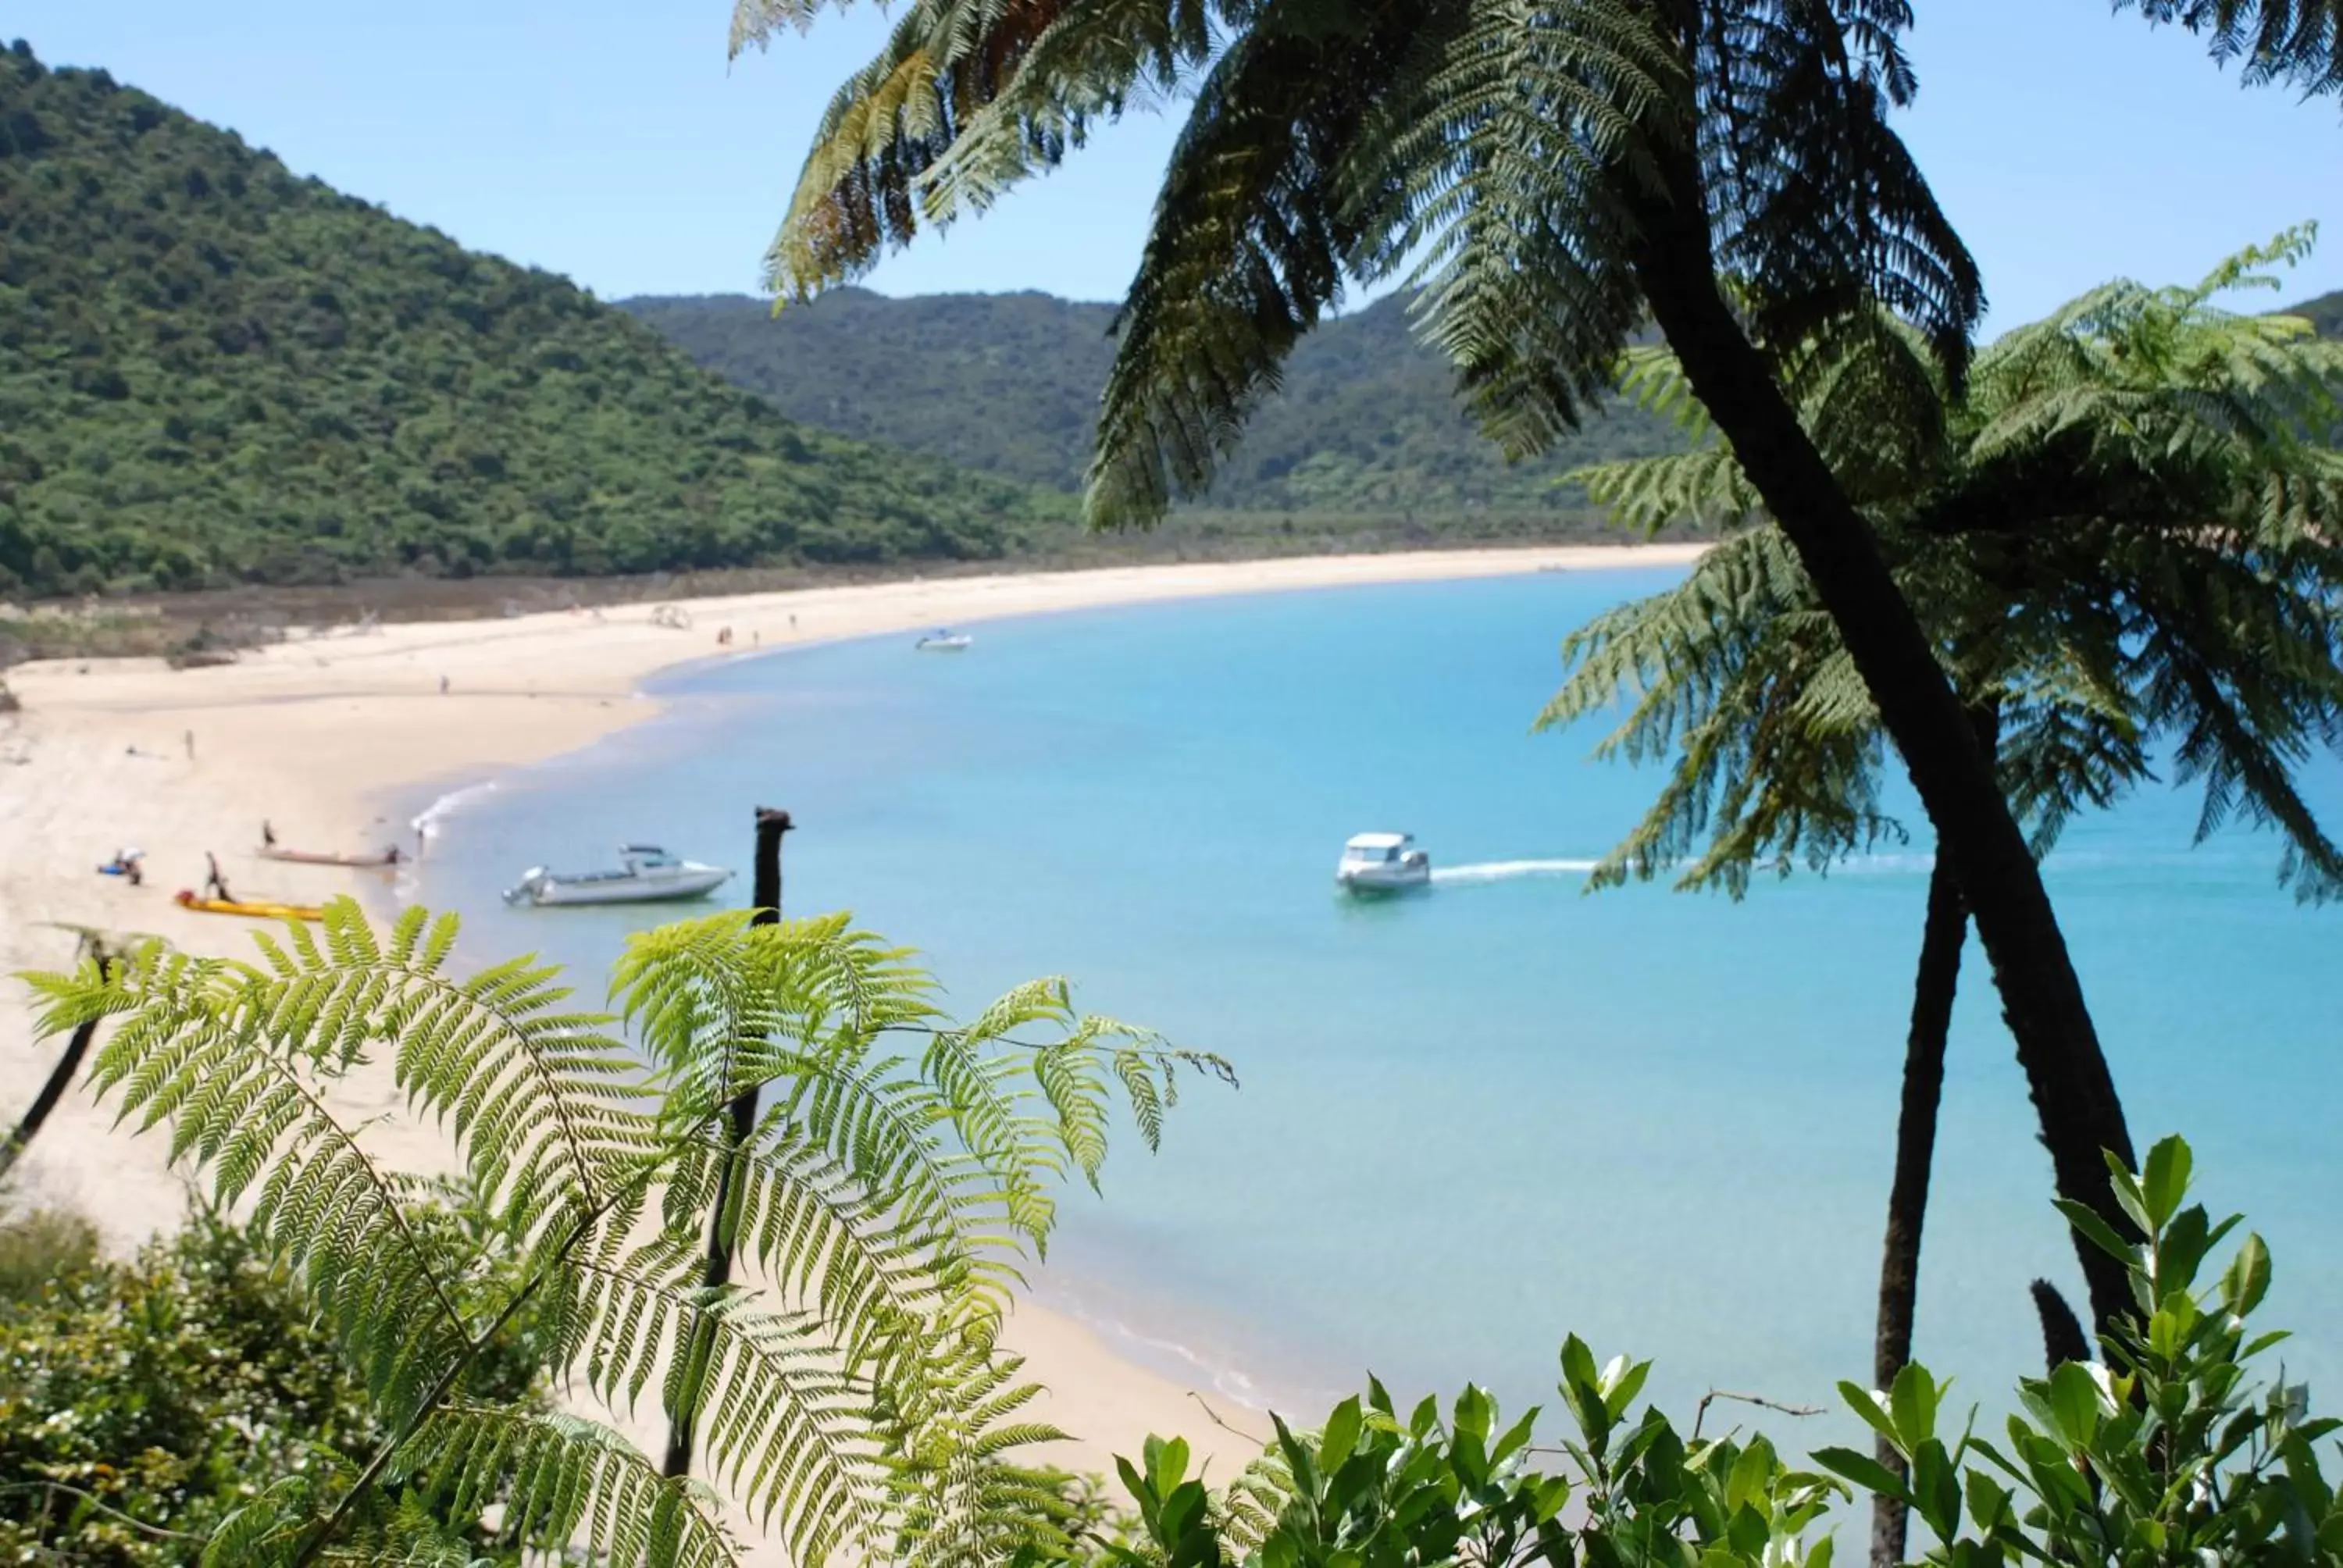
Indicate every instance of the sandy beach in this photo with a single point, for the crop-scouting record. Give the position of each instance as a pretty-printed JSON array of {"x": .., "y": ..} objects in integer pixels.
[{"x": 316, "y": 733}]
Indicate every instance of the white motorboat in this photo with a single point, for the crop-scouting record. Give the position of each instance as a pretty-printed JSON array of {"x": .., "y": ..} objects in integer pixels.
[
  {"x": 1382, "y": 863},
  {"x": 943, "y": 641},
  {"x": 648, "y": 875}
]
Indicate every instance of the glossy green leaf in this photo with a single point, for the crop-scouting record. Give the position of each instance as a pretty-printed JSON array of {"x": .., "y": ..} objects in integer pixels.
[
  {"x": 1620, "y": 1390},
  {"x": 1751, "y": 1475},
  {"x": 1912, "y": 1404},
  {"x": 2095, "y": 1230},
  {"x": 1340, "y": 1435},
  {"x": 2164, "y": 1180},
  {"x": 2074, "y": 1402},
  {"x": 1865, "y": 1471},
  {"x": 2246, "y": 1280},
  {"x": 1988, "y": 1499},
  {"x": 1872, "y": 1408}
]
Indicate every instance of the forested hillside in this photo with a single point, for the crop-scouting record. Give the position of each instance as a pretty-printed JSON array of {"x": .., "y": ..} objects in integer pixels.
[
  {"x": 1367, "y": 422},
  {"x": 2325, "y": 313},
  {"x": 212, "y": 371}
]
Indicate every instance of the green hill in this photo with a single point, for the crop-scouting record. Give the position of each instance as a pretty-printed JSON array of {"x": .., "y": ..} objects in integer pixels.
[
  {"x": 1367, "y": 422},
  {"x": 211, "y": 371},
  {"x": 2325, "y": 313}
]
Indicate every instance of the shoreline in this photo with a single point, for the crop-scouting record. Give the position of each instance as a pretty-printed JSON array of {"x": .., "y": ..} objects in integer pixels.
[{"x": 318, "y": 735}]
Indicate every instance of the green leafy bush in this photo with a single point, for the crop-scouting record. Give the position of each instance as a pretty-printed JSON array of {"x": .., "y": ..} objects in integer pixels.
[
  {"x": 2169, "y": 1455},
  {"x": 143, "y": 1401}
]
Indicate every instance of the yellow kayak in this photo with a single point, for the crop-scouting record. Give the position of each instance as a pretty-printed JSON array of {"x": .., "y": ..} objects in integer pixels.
[{"x": 254, "y": 909}]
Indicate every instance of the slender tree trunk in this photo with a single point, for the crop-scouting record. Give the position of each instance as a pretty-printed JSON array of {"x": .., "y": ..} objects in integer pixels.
[
  {"x": 2042, "y": 998},
  {"x": 1944, "y": 931},
  {"x": 741, "y": 1125},
  {"x": 2062, "y": 1338},
  {"x": 60, "y": 1079}
]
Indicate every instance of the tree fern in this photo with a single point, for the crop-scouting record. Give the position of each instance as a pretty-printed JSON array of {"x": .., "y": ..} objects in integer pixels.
[
  {"x": 851, "y": 1402},
  {"x": 2127, "y": 531},
  {"x": 2121, "y": 540}
]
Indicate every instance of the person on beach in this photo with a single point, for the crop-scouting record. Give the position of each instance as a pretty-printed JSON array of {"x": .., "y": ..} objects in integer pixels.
[
  {"x": 443, "y": 686},
  {"x": 190, "y": 738},
  {"x": 267, "y": 834},
  {"x": 215, "y": 885}
]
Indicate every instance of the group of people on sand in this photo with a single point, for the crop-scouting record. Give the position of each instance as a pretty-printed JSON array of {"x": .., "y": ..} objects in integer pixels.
[{"x": 130, "y": 865}]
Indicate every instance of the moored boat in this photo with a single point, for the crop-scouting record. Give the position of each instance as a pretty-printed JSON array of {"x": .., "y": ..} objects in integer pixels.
[
  {"x": 391, "y": 857},
  {"x": 944, "y": 641},
  {"x": 1382, "y": 863},
  {"x": 647, "y": 875}
]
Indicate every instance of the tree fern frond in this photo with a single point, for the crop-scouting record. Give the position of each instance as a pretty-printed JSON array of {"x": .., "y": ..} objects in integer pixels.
[
  {"x": 979, "y": 1086},
  {"x": 214, "y": 1049},
  {"x": 567, "y": 1482},
  {"x": 855, "y": 1400},
  {"x": 2129, "y": 529},
  {"x": 2299, "y": 42},
  {"x": 1241, "y": 260}
]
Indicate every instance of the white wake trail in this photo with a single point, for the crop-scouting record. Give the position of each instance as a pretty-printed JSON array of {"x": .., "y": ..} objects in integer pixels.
[{"x": 1508, "y": 870}]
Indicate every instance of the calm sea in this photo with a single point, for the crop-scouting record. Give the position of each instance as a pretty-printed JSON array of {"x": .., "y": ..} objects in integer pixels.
[{"x": 1474, "y": 1119}]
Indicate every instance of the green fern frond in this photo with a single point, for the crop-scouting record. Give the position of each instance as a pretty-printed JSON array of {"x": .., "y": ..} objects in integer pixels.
[
  {"x": 853, "y": 1399},
  {"x": 2128, "y": 530},
  {"x": 565, "y": 1483}
]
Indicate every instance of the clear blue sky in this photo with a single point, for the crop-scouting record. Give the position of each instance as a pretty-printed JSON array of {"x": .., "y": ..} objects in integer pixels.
[{"x": 609, "y": 139}]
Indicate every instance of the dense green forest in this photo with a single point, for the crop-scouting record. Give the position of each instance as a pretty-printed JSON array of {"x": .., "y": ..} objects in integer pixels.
[
  {"x": 1366, "y": 424},
  {"x": 214, "y": 371},
  {"x": 1367, "y": 421}
]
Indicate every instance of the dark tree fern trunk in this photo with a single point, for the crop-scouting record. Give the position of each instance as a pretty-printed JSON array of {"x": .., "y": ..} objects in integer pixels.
[
  {"x": 60, "y": 1079},
  {"x": 1942, "y": 936},
  {"x": 741, "y": 1124},
  {"x": 1943, "y": 933},
  {"x": 2042, "y": 999}
]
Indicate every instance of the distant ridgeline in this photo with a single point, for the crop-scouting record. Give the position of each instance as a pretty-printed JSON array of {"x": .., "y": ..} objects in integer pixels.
[
  {"x": 1367, "y": 421},
  {"x": 211, "y": 370},
  {"x": 2325, "y": 313}
]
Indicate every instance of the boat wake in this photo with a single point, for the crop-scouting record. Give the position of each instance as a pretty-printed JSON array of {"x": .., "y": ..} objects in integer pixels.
[{"x": 1509, "y": 870}]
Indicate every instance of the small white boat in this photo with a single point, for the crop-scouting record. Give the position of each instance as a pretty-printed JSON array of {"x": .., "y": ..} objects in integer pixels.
[
  {"x": 943, "y": 641},
  {"x": 1382, "y": 863},
  {"x": 648, "y": 875}
]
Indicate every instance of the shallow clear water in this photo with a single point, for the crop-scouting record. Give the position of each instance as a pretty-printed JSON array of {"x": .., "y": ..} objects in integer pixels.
[{"x": 1474, "y": 1119}]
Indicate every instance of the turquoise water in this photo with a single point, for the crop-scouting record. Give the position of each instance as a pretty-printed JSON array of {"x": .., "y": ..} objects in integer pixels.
[{"x": 1474, "y": 1119}]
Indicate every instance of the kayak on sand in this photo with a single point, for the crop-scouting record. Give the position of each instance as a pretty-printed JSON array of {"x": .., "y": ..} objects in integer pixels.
[{"x": 255, "y": 908}]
